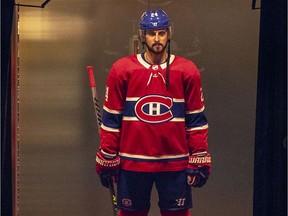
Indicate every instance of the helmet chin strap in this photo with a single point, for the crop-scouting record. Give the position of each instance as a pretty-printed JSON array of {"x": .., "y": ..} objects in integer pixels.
[{"x": 168, "y": 65}]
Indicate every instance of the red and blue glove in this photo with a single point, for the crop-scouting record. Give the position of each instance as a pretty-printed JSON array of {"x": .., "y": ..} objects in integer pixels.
[
  {"x": 107, "y": 166},
  {"x": 198, "y": 169}
]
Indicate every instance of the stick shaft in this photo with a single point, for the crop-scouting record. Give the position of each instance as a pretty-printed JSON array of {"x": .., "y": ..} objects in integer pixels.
[
  {"x": 112, "y": 184},
  {"x": 94, "y": 96}
]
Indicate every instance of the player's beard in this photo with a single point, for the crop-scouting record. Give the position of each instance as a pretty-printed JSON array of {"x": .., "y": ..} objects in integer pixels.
[{"x": 157, "y": 50}]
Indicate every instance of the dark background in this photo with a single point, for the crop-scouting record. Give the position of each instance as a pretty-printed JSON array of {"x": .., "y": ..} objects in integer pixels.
[{"x": 241, "y": 54}]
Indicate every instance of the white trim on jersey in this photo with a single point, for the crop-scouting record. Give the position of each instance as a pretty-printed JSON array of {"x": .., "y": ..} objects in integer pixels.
[
  {"x": 127, "y": 118},
  {"x": 153, "y": 157},
  {"x": 109, "y": 128},
  {"x": 112, "y": 111},
  {"x": 177, "y": 120},
  {"x": 178, "y": 100},
  {"x": 147, "y": 65},
  {"x": 198, "y": 128},
  {"x": 132, "y": 98},
  {"x": 196, "y": 111}
]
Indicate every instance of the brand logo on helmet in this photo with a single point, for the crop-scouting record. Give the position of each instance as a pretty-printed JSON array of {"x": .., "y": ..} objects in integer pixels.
[
  {"x": 154, "y": 23},
  {"x": 154, "y": 109}
]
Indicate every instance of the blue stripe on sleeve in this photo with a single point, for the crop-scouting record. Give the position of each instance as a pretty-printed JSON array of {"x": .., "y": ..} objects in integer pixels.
[
  {"x": 195, "y": 120},
  {"x": 112, "y": 120}
]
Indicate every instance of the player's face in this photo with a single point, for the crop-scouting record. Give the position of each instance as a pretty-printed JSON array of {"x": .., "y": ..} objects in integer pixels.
[{"x": 156, "y": 40}]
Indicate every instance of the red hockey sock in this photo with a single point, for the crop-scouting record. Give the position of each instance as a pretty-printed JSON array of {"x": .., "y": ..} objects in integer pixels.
[
  {"x": 176, "y": 213},
  {"x": 133, "y": 213}
]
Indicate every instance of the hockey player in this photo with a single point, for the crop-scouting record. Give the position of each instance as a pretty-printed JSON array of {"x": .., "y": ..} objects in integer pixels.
[{"x": 154, "y": 129}]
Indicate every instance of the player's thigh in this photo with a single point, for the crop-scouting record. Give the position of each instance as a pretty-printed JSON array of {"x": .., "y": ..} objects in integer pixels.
[
  {"x": 174, "y": 191},
  {"x": 134, "y": 190}
]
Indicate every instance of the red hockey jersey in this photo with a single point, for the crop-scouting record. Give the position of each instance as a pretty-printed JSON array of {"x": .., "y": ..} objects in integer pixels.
[{"x": 151, "y": 127}]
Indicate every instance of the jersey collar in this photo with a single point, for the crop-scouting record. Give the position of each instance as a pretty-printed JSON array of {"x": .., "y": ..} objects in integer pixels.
[{"x": 147, "y": 65}]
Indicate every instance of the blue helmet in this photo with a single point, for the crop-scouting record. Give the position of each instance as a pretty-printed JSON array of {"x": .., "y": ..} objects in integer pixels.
[{"x": 154, "y": 19}]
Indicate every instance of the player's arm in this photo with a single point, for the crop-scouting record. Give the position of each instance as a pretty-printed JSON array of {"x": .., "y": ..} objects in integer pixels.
[
  {"x": 107, "y": 158},
  {"x": 112, "y": 112},
  {"x": 196, "y": 132}
]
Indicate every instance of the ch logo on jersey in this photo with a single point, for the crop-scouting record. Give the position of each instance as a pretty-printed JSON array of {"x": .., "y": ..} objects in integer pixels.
[
  {"x": 127, "y": 202},
  {"x": 154, "y": 109}
]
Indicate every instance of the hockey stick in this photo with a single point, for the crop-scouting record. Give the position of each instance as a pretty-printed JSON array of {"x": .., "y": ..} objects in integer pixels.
[{"x": 112, "y": 184}]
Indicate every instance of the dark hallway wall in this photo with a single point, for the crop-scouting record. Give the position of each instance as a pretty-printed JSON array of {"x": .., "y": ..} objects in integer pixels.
[{"x": 270, "y": 188}]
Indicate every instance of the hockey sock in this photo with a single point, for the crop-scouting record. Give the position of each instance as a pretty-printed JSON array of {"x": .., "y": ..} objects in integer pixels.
[
  {"x": 133, "y": 213},
  {"x": 176, "y": 213}
]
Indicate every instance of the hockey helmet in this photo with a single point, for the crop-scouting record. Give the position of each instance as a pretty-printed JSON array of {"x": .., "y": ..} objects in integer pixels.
[{"x": 154, "y": 19}]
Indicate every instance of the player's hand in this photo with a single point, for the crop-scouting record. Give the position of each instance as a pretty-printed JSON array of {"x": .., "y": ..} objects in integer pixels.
[
  {"x": 198, "y": 169},
  {"x": 107, "y": 166},
  {"x": 107, "y": 176}
]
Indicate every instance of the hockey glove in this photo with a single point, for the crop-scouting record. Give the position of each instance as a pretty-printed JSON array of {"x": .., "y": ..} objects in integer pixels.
[
  {"x": 198, "y": 169},
  {"x": 107, "y": 165}
]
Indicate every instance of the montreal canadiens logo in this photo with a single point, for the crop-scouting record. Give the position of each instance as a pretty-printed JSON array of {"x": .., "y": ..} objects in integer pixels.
[
  {"x": 154, "y": 109},
  {"x": 126, "y": 202}
]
